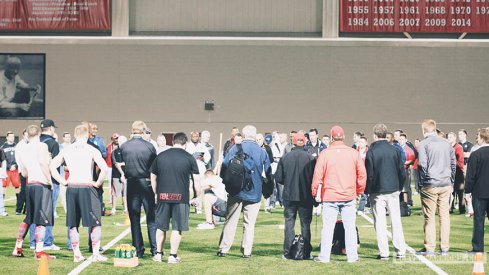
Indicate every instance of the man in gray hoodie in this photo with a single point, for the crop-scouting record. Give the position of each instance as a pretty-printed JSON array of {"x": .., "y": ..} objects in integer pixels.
[{"x": 436, "y": 167}]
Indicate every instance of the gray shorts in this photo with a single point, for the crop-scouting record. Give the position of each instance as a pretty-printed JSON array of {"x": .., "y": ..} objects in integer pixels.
[
  {"x": 118, "y": 187},
  {"x": 178, "y": 213}
]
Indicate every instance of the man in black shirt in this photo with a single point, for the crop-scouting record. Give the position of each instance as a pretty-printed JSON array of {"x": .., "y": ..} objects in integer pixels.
[
  {"x": 477, "y": 185},
  {"x": 138, "y": 155},
  {"x": 170, "y": 178},
  {"x": 466, "y": 145}
]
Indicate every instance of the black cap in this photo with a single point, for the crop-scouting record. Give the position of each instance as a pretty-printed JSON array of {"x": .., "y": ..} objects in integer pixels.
[{"x": 47, "y": 123}]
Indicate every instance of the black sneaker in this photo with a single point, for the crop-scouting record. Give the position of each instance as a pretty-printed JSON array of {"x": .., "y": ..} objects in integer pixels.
[
  {"x": 383, "y": 258},
  {"x": 246, "y": 256},
  {"x": 220, "y": 254}
]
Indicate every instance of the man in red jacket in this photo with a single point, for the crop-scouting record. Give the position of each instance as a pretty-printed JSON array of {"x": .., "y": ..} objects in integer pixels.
[{"x": 341, "y": 174}]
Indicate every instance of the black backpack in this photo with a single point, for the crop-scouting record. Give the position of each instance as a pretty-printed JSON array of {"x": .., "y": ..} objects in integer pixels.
[
  {"x": 405, "y": 210},
  {"x": 234, "y": 175},
  {"x": 297, "y": 248}
]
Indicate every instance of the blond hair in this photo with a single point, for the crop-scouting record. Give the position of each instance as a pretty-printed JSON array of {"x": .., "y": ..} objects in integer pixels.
[
  {"x": 138, "y": 127},
  {"x": 81, "y": 131},
  {"x": 484, "y": 134},
  {"x": 429, "y": 126},
  {"x": 33, "y": 130}
]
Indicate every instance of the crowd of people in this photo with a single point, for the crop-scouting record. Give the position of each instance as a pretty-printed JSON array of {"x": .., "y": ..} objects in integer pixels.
[{"x": 309, "y": 175}]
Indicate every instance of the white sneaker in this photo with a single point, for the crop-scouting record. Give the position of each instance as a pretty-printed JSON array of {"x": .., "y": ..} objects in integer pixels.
[
  {"x": 112, "y": 212},
  {"x": 52, "y": 247},
  {"x": 359, "y": 213},
  {"x": 98, "y": 258},
  {"x": 4, "y": 214},
  {"x": 174, "y": 260},
  {"x": 77, "y": 259},
  {"x": 158, "y": 257},
  {"x": 206, "y": 225}
]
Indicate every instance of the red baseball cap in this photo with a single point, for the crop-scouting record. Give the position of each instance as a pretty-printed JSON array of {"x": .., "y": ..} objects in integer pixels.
[
  {"x": 299, "y": 136},
  {"x": 337, "y": 132}
]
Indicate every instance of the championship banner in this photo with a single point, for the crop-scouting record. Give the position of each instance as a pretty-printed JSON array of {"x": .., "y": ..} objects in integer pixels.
[
  {"x": 417, "y": 16},
  {"x": 54, "y": 15}
]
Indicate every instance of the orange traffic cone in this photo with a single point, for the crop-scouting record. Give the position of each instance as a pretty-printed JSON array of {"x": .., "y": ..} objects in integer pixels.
[
  {"x": 478, "y": 264},
  {"x": 43, "y": 266}
]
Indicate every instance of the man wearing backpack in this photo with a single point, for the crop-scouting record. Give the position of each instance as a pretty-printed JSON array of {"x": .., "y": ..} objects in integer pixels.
[{"x": 248, "y": 199}]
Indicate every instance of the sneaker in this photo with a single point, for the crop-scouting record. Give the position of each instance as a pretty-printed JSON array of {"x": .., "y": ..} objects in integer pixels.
[
  {"x": 206, "y": 225},
  {"x": 359, "y": 213},
  {"x": 425, "y": 253},
  {"x": 318, "y": 260},
  {"x": 285, "y": 258},
  {"x": 52, "y": 247},
  {"x": 246, "y": 256},
  {"x": 400, "y": 256},
  {"x": 354, "y": 261},
  {"x": 444, "y": 253},
  {"x": 174, "y": 260},
  {"x": 158, "y": 256},
  {"x": 268, "y": 211},
  {"x": 220, "y": 254},
  {"x": 98, "y": 258},
  {"x": 18, "y": 213},
  {"x": 77, "y": 259},
  {"x": 4, "y": 214},
  {"x": 38, "y": 255},
  {"x": 17, "y": 252},
  {"x": 382, "y": 258},
  {"x": 112, "y": 212}
]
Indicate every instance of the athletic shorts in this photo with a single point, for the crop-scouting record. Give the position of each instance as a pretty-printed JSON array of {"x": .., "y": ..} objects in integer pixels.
[
  {"x": 12, "y": 178},
  {"x": 219, "y": 208},
  {"x": 39, "y": 204},
  {"x": 117, "y": 187},
  {"x": 82, "y": 202},
  {"x": 177, "y": 212}
]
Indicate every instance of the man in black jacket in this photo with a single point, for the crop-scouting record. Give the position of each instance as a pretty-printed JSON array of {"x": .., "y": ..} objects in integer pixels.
[
  {"x": 477, "y": 184},
  {"x": 385, "y": 180},
  {"x": 138, "y": 155},
  {"x": 295, "y": 171}
]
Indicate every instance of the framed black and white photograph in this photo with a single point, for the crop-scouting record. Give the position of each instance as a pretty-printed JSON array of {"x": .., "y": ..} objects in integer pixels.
[{"x": 22, "y": 86}]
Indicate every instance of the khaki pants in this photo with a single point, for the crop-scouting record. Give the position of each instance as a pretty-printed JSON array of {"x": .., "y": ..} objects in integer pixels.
[
  {"x": 433, "y": 198},
  {"x": 250, "y": 213}
]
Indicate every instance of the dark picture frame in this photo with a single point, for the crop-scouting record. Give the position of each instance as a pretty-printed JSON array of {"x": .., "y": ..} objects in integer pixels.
[{"x": 27, "y": 72}]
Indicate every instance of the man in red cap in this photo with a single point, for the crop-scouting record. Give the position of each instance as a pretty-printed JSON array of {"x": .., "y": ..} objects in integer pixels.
[
  {"x": 295, "y": 170},
  {"x": 341, "y": 174}
]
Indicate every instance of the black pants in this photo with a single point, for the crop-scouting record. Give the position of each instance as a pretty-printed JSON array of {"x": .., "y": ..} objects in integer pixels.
[
  {"x": 305, "y": 214},
  {"x": 19, "y": 208},
  {"x": 458, "y": 193},
  {"x": 481, "y": 208},
  {"x": 139, "y": 192}
]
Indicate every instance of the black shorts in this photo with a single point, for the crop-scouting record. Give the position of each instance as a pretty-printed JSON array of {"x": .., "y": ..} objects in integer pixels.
[
  {"x": 82, "y": 202},
  {"x": 219, "y": 208},
  {"x": 177, "y": 212},
  {"x": 39, "y": 204}
]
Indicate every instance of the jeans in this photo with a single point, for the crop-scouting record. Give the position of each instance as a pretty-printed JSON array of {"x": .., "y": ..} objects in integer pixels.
[
  {"x": 55, "y": 196},
  {"x": 348, "y": 214},
  {"x": 481, "y": 207},
  {"x": 140, "y": 193},
  {"x": 291, "y": 208},
  {"x": 21, "y": 198},
  {"x": 362, "y": 202}
]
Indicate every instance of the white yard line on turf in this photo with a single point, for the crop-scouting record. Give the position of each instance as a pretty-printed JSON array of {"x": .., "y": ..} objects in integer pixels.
[
  {"x": 86, "y": 263},
  {"x": 411, "y": 250}
]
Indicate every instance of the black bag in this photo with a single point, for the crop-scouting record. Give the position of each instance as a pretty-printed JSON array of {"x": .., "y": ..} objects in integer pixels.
[
  {"x": 233, "y": 176},
  {"x": 267, "y": 188},
  {"x": 339, "y": 246},
  {"x": 297, "y": 248},
  {"x": 405, "y": 210}
]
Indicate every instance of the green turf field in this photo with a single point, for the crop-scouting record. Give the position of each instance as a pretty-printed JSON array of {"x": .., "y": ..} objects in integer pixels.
[{"x": 198, "y": 249}]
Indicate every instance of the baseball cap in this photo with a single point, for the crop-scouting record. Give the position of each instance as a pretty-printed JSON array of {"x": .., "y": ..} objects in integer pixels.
[
  {"x": 115, "y": 135},
  {"x": 337, "y": 132},
  {"x": 299, "y": 136},
  {"x": 47, "y": 123},
  {"x": 268, "y": 139}
]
